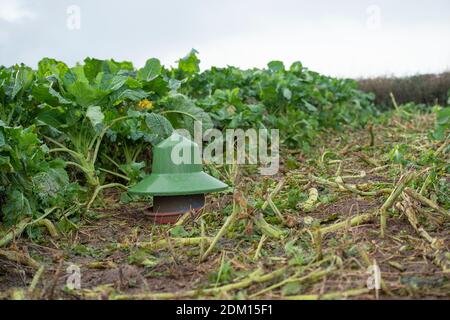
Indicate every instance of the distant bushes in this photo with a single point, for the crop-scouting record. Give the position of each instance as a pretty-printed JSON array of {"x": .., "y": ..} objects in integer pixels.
[{"x": 427, "y": 89}]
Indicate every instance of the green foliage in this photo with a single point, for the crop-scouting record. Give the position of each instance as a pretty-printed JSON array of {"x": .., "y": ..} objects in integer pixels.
[
  {"x": 151, "y": 70},
  {"x": 397, "y": 154},
  {"x": 300, "y": 254},
  {"x": 179, "y": 231},
  {"x": 93, "y": 123},
  {"x": 30, "y": 181},
  {"x": 183, "y": 113},
  {"x": 297, "y": 101},
  {"x": 225, "y": 273},
  {"x": 190, "y": 63},
  {"x": 442, "y": 126}
]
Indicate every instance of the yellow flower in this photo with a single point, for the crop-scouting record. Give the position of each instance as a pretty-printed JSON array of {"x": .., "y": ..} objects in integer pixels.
[{"x": 145, "y": 104}]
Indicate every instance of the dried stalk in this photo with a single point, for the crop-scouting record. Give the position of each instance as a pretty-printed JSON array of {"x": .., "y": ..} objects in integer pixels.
[
  {"x": 50, "y": 228},
  {"x": 275, "y": 191},
  {"x": 369, "y": 263},
  {"x": 340, "y": 185},
  {"x": 404, "y": 180},
  {"x": 258, "y": 249},
  {"x": 324, "y": 181},
  {"x": 315, "y": 275},
  {"x": 351, "y": 222},
  {"x": 19, "y": 258},
  {"x": 308, "y": 205},
  {"x": 164, "y": 243},
  {"x": 183, "y": 219},
  {"x": 269, "y": 201},
  {"x": 439, "y": 256},
  {"x": 36, "y": 278},
  {"x": 230, "y": 219},
  {"x": 15, "y": 232},
  {"x": 266, "y": 228},
  {"x": 203, "y": 234},
  {"x": 367, "y": 160},
  {"x": 417, "y": 196},
  {"x": 352, "y": 188},
  {"x": 329, "y": 296},
  {"x": 254, "y": 277}
]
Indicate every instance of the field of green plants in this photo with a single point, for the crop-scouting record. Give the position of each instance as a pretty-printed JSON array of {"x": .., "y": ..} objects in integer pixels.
[{"x": 357, "y": 187}]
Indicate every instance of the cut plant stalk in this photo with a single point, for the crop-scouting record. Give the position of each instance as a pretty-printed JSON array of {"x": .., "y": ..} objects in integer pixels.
[
  {"x": 351, "y": 222},
  {"x": 19, "y": 258},
  {"x": 255, "y": 277},
  {"x": 313, "y": 276},
  {"x": 15, "y": 232},
  {"x": 368, "y": 262},
  {"x": 367, "y": 160},
  {"x": 330, "y": 296},
  {"x": 427, "y": 202},
  {"x": 230, "y": 219},
  {"x": 440, "y": 257},
  {"x": 161, "y": 244},
  {"x": 266, "y": 228},
  {"x": 269, "y": 201},
  {"x": 50, "y": 227},
  {"x": 309, "y": 204},
  {"x": 203, "y": 235},
  {"x": 352, "y": 188},
  {"x": 404, "y": 180},
  {"x": 35, "y": 281},
  {"x": 258, "y": 249},
  {"x": 272, "y": 194}
]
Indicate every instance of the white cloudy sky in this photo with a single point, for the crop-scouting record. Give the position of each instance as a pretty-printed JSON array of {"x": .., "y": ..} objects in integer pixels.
[{"x": 343, "y": 38}]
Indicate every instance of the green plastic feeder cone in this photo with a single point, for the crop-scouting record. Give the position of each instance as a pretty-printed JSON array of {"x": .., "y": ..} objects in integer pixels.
[
  {"x": 174, "y": 171},
  {"x": 177, "y": 183}
]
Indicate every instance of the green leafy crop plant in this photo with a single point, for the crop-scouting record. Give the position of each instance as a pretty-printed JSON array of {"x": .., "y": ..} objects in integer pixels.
[{"x": 99, "y": 119}]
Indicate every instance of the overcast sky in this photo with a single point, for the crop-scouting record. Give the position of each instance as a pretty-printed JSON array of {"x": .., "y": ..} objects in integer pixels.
[{"x": 342, "y": 38}]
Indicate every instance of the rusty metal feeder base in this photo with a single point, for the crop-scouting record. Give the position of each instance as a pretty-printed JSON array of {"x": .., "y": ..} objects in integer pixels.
[{"x": 168, "y": 209}]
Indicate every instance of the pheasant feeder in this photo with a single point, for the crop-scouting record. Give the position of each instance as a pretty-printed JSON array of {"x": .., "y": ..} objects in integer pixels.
[{"x": 177, "y": 186}]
